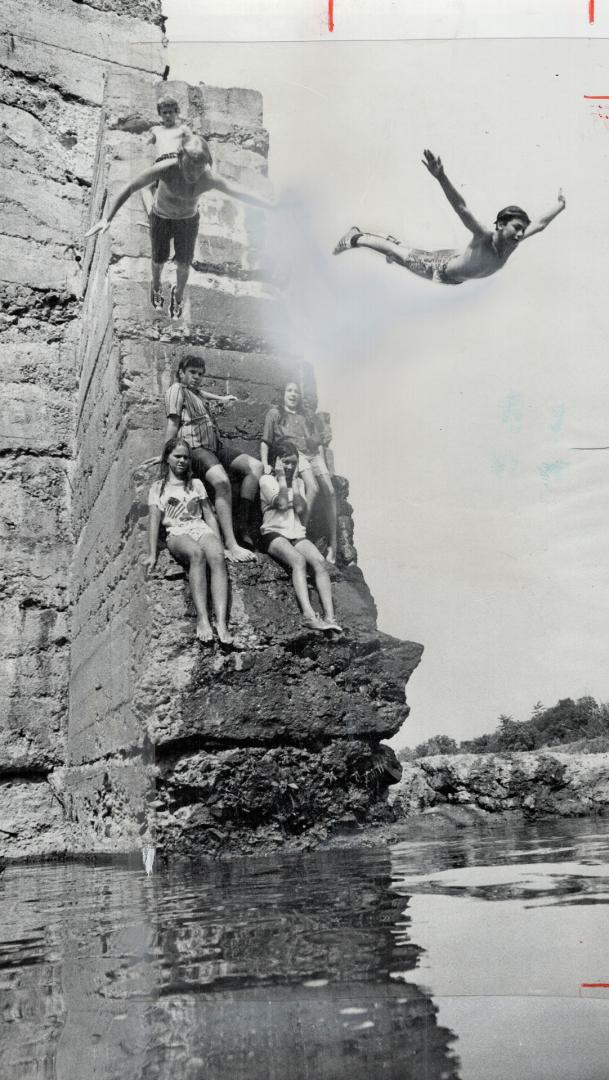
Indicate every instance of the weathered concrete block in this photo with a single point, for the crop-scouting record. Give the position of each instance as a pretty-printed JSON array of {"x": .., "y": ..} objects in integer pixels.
[
  {"x": 234, "y": 105},
  {"x": 74, "y": 44},
  {"x": 105, "y": 806},
  {"x": 41, "y": 266},
  {"x": 219, "y": 312},
  {"x": 33, "y": 821},
  {"x": 66, "y": 130},
  {"x": 35, "y": 417}
]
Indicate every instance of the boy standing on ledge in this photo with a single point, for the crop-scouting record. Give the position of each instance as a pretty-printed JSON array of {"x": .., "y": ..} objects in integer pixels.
[
  {"x": 166, "y": 137},
  {"x": 488, "y": 250},
  {"x": 174, "y": 215}
]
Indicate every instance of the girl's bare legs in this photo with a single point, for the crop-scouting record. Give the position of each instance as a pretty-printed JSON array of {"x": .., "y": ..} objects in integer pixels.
[
  {"x": 322, "y": 580},
  {"x": 190, "y": 552},
  {"x": 311, "y": 492},
  {"x": 196, "y": 554},
  {"x": 219, "y": 586},
  {"x": 329, "y": 496},
  {"x": 282, "y": 550}
]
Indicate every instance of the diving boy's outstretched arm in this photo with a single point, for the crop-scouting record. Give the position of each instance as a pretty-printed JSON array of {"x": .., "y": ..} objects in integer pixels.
[
  {"x": 239, "y": 193},
  {"x": 143, "y": 180},
  {"x": 540, "y": 224},
  {"x": 456, "y": 200}
]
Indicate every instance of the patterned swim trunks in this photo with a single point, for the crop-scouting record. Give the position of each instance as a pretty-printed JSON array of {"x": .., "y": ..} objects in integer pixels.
[{"x": 427, "y": 264}]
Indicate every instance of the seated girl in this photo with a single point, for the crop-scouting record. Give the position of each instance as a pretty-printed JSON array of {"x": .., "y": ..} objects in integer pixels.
[
  {"x": 289, "y": 421},
  {"x": 179, "y": 503},
  {"x": 284, "y": 506}
]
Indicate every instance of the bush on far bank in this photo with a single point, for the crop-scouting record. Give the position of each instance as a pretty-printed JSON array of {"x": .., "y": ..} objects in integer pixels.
[{"x": 581, "y": 725}]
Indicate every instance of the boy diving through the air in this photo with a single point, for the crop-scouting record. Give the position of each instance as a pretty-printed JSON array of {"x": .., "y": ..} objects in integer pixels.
[{"x": 488, "y": 250}]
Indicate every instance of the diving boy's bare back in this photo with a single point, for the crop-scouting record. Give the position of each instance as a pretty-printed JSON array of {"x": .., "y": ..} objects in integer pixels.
[{"x": 488, "y": 250}]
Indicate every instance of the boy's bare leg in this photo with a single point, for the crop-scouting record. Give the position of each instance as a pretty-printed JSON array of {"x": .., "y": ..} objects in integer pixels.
[
  {"x": 224, "y": 509},
  {"x": 250, "y": 469},
  {"x": 419, "y": 262},
  {"x": 382, "y": 244},
  {"x": 182, "y": 272},
  {"x": 156, "y": 271}
]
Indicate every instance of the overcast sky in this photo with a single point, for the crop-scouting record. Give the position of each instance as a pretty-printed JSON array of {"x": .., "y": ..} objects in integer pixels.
[{"x": 481, "y": 532}]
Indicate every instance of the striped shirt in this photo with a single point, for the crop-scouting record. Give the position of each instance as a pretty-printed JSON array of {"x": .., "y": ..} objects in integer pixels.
[{"x": 196, "y": 425}]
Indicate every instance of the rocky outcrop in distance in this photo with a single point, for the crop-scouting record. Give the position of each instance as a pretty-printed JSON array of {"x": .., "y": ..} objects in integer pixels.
[{"x": 536, "y": 783}]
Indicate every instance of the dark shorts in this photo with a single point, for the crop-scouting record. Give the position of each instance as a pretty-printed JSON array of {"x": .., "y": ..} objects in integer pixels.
[
  {"x": 183, "y": 232},
  {"x": 266, "y": 539},
  {"x": 203, "y": 459}
]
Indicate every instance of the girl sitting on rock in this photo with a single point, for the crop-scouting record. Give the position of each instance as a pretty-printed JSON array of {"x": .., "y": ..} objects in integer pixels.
[
  {"x": 289, "y": 420},
  {"x": 179, "y": 503},
  {"x": 284, "y": 536}
]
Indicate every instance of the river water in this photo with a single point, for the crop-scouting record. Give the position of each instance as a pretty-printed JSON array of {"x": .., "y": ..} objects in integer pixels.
[{"x": 457, "y": 956}]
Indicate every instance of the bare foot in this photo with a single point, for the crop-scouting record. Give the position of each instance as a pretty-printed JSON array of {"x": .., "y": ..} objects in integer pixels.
[
  {"x": 236, "y": 553},
  {"x": 331, "y": 624},
  {"x": 313, "y": 622},
  {"x": 348, "y": 240},
  {"x": 204, "y": 632},
  {"x": 224, "y": 637},
  {"x": 331, "y": 556}
]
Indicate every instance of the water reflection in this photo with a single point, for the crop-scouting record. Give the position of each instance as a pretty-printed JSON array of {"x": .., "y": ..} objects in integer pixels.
[{"x": 259, "y": 968}]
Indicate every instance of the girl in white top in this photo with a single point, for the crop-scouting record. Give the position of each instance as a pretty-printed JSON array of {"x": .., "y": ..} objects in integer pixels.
[
  {"x": 179, "y": 503},
  {"x": 283, "y": 506}
]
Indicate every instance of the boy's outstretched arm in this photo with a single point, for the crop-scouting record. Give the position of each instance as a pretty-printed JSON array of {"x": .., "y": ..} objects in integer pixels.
[
  {"x": 540, "y": 224},
  {"x": 149, "y": 176},
  {"x": 456, "y": 200},
  {"x": 239, "y": 193}
]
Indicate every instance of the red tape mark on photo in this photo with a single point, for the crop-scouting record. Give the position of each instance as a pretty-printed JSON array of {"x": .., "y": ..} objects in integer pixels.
[
  {"x": 331, "y": 15},
  {"x": 590, "y": 11}
]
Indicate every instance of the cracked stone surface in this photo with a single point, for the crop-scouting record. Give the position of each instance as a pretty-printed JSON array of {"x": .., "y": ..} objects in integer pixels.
[
  {"x": 53, "y": 59},
  {"x": 122, "y": 728}
]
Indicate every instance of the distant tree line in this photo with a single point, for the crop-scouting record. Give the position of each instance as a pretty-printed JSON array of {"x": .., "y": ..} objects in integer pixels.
[{"x": 568, "y": 721}]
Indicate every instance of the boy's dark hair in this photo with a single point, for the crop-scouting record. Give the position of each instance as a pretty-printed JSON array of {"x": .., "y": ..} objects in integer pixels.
[
  {"x": 168, "y": 449},
  {"x": 190, "y": 360},
  {"x": 282, "y": 448},
  {"x": 167, "y": 100},
  {"x": 510, "y": 212}
]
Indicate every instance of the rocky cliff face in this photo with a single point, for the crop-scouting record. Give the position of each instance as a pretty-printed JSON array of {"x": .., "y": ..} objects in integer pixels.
[
  {"x": 54, "y": 55},
  {"x": 190, "y": 750},
  {"x": 535, "y": 783},
  {"x": 118, "y": 729}
]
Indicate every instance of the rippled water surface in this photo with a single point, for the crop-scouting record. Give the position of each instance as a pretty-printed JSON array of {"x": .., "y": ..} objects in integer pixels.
[{"x": 461, "y": 956}]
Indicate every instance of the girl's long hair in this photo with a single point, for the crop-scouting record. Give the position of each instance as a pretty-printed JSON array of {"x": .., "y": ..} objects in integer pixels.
[
  {"x": 308, "y": 419},
  {"x": 168, "y": 449}
]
